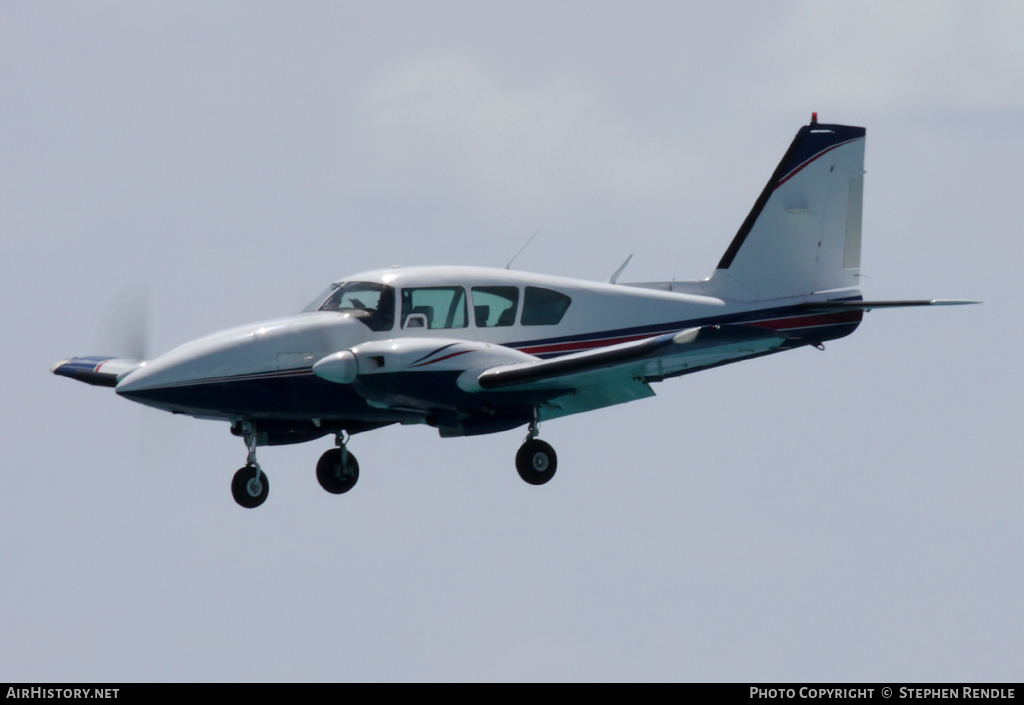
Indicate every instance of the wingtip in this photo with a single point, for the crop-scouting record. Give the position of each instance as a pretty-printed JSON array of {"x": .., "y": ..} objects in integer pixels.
[{"x": 88, "y": 369}]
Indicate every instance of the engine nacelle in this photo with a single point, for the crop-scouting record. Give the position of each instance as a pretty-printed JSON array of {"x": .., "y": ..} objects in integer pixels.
[
  {"x": 416, "y": 355},
  {"x": 436, "y": 376},
  {"x": 341, "y": 367}
]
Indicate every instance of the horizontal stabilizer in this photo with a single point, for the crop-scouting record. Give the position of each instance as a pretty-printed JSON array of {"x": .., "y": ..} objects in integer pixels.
[
  {"x": 98, "y": 370},
  {"x": 833, "y": 306}
]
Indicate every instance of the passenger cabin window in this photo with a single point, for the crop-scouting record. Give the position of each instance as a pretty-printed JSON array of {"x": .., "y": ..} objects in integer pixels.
[
  {"x": 434, "y": 307},
  {"x": 495, "y": 305},
  {"x": 543, "y": 307},
  {"x": 370, "y": 303}
]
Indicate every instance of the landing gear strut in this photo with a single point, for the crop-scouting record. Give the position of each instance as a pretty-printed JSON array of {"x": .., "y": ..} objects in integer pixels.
[
  {"x": 338, "y": 470},
  {"x": 250, "y": 485},
  {"x": 536, "y": 460}
]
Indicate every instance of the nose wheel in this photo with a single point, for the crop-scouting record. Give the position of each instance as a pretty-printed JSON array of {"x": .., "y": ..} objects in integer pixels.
[
  {"x": 536, "y": 460},
  {"x": 250, "y": 485}
]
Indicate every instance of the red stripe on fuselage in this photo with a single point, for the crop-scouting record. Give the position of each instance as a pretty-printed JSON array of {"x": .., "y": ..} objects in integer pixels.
[
  {"x": 578, "y": 346},
  {"x": 825, "y": 319},
  {"x": 785, "y": 323}
]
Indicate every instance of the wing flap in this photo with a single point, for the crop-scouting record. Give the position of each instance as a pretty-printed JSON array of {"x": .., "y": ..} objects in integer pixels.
[
  {"x": 718, "y": 345},
  {"x": 601, "y": 391}
]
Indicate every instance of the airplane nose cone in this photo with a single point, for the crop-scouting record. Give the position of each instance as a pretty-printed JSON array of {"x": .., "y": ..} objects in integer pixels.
[
  {"x": 261, "y": 368},
  {"x": 182, "y": 379},
  {"x": 160, "y": 383},
  {"x": 150, "y": 376}
]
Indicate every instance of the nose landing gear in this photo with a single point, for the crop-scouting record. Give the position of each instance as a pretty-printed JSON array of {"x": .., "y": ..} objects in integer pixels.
[
  {"x": 250, "y": 485},
  {"x": 536, "y": 460}
]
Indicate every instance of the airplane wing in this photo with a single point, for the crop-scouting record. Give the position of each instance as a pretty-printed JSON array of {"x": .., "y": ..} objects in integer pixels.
[
  {"x": 619, "y": 373},
  {"x": 672, "y": 351},
  {"x": 96, "y": 370},
  {"x": 455, "y": 384}
]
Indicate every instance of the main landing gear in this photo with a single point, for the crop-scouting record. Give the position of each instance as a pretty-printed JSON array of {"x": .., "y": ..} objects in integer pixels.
[
  {"x": 536, "y": 460},
  {"x": 338, "y": 470}
]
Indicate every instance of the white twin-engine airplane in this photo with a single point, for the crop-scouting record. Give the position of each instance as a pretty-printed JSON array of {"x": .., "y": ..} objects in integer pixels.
[{"x": 472, "y": 350}]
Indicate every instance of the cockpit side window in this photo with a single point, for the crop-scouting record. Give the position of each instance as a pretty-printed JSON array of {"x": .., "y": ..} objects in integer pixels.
[
  {"x": 440, "y": 306},
  {"x": 495, "y": 305},
  {"x": 543, "y": 307},
  {"x": 371, "y": 303}
]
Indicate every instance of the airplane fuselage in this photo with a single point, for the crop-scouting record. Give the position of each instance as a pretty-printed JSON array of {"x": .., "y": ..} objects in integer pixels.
[{"x": 264, "y": 371}]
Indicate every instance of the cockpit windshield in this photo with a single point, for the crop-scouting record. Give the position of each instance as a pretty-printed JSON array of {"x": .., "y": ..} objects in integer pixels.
[
  {"x": 373, "y": 304},
  {"x": 318, "y": 301}
]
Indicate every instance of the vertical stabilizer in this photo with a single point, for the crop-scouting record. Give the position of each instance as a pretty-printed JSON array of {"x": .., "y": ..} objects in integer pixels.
[{"x": 803, "y": 233}]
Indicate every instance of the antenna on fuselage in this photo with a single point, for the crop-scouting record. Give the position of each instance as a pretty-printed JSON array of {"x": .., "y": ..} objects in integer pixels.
[
  {"x": 615, "y": 277},
  {"x": 509, "y": 265}
]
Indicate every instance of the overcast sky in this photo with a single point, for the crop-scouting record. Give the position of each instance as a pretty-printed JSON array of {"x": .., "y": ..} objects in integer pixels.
[{"x": 848, "y": 515}]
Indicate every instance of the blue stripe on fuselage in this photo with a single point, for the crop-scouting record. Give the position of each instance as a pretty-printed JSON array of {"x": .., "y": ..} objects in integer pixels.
[
  {"x": 659, "y": 328},
  {"x": 298, "y": 393}
]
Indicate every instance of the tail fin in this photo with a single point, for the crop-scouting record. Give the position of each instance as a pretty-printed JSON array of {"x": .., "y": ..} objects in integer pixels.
[{"x": 803, "y": 233}]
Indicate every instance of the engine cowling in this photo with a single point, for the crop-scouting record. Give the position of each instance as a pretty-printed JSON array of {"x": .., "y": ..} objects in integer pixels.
[
  {"x": 341, "y": 367},
  {"x": 414, "y": 356},
  {"x": 435, "y": 376}
]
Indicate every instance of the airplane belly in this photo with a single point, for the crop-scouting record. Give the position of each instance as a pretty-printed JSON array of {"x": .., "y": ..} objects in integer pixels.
[
  {"x": 282, "y": 394},
  {"x": 439, "y": 402}
]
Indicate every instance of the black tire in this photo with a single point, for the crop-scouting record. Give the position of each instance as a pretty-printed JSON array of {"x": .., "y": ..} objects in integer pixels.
[
  {"x": 536, "y": 462},
  {"x": 332, "y": 476},
  {"x": 246, "y": 490}
]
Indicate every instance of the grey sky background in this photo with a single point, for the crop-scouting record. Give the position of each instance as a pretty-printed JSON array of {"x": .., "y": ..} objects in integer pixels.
[{"x": 848, "y": 515}]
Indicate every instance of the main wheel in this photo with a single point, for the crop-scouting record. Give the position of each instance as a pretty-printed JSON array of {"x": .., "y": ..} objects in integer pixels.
[
  {"x": 332, "y": 476},
  {"x": 250, "y": 487},
  {"x": 536, "y": 462}
]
